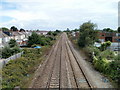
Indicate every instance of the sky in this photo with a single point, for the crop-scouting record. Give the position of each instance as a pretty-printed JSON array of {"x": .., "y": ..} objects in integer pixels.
[{"x": 58, "y": 14}]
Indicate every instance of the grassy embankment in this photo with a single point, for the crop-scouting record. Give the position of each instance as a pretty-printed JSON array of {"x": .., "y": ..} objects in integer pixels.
[{"x": 20, "y": 72}]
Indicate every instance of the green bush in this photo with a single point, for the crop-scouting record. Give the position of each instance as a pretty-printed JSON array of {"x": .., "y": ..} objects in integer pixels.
[
  {"x": 115, "y": 71},
  {"x": 107, "y": 54},
  {"x": 117, "y": 57},
  {"x": 35, "y": 39},
  {"x": 12, "y": 43},
  {"x": 17, "y": 71},
  {"x": 15, "y": 50},
  {"x": 6, "y": 52},
  {"x": 105, "y": 45},
  {"x": 111, "y": 69}
]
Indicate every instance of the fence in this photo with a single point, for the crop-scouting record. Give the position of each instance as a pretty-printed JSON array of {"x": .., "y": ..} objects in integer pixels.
[{"x": 5, "y": 61}]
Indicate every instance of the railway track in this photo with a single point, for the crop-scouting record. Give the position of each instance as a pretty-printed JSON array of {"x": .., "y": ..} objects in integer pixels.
[
  {"x": 62, "y": 68},
  {"x": 81, "y": 79}
]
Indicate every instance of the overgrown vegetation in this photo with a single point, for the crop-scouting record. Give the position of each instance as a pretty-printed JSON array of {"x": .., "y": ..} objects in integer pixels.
[
  {"x": 109, "y": 64},
  {"x": 18, "y": 72},
  {"x": 11, "y": 49},
  {"x": 105, "y": 45},
  {"x": 104, "y": 60}
]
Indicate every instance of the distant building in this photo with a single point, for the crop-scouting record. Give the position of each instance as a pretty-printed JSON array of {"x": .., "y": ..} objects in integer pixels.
[
  {"x": 42, "y": 32},
  {"x": 21, "y": 37},
  {"x": 114, "y": 37},
  {"x": 75, "y": 34},
  {"x": 109, "y": 36}
]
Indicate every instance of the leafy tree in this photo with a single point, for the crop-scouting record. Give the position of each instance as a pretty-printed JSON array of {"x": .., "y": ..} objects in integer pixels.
[
  {"x": 88, "y": 34},
  {"x": 12, "y": 43},
  {"x": 68, "y": 29},
  {"x": 54, "y": 33},
  {"x": 33, "y": 39},
  {"x": 49, "y": 33},
  {"x": 4, "y": 29},
  {"x": 13, "y": 28},
  {"x": 108, "y": 30},
  {"x": 76, "y": 30},
  {"x": 118, "y": 29},
  {"x": 58, "y": 31},
  {"x": 22, "y": 30}
]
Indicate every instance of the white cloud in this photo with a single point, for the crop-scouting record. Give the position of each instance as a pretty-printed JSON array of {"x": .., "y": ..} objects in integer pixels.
[{"x": 53, "y": 14}]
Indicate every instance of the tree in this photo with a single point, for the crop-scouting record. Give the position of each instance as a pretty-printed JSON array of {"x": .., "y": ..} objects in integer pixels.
[
  {"x": 118, "y": 29},
  {"x": 13, "y": 28},
  {"x": 49, "y": 33},
  {"x": 33, "y": 39},
  {"x": 22, "y": 30},
  {"x": 58, "y": 31},
  {"x": 54, "y": 33},
  {"x": 12, "y": 43},
  {"x": 76, "y": 30},
  {"x": 4, "y": 29},
  {"x": 108, "y": 30},
  {"x": 88, "y": 34}
]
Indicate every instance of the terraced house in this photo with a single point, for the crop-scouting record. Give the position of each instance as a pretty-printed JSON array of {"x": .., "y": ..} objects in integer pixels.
[
  {"x": 20, "y": 37},
  {"x": 4, "y": 39}
]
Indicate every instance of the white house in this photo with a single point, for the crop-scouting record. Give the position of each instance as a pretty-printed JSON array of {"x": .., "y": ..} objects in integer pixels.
[
  {"x": 42, "y": 32},
  {"x": 1, "y": 43},
  {"x": 4, "y": 39}
]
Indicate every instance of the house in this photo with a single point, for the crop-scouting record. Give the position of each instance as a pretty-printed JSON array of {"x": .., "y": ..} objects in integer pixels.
[
  {"x": 109, "y": 36},
  {"x": 114, "y": 37},
  {"x": 75, "y": 34},
  {"x": 4, "y": 39},
  {"x": 1, "y": 42},
  {"x": 42, "y": 32}
]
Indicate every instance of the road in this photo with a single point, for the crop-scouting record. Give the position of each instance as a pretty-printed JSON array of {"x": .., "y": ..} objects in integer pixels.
[{"x": 62, "y": 68}]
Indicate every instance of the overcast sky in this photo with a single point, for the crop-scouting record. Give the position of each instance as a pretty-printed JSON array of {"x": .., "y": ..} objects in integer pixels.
[{"x": 58, "y": 14}]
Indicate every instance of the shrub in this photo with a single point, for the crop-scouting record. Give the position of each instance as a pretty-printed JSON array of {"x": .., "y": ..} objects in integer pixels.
[
  {"x": 12, "y": 43},
  {"x": 15, "y": 50},
  {"x": 39, "y": 39},
  {"x": 107, "y": 54},
  {"x": 105, "y": 45},
  {"x": 115, "y": 71},
  {"x": 101, "y": 65},
  {"x": 6, "y": 52}
]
